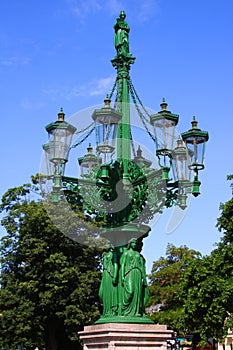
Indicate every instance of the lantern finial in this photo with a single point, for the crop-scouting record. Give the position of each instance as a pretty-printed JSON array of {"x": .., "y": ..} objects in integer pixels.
[
  {"x": 89, "y": 149},
  {"x": 61, "y": 115},
  {"x": 163, "y": 105},
  {"x": 139, "y": 151},
  {"x": 194, "y": 123},
  {"x": 107, "y": 101}
]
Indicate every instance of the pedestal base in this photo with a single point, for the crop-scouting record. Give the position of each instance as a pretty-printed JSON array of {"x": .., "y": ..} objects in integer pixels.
[{"x": 125, "y": 336}]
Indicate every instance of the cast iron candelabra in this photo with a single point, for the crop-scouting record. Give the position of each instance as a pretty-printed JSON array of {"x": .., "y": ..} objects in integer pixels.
[{"x": 123, "y": 193}]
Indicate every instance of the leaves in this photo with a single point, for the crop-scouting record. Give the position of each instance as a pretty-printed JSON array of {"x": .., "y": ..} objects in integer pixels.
[
  {"x": 195, "y": 293},
  {"x": 207, "y": 286},
  {"x": 165, "y": 280},
  {"x": 49, "y": 283}
]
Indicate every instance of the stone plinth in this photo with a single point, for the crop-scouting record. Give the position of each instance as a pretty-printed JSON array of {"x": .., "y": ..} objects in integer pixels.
[{"x": 125, "y": 336}]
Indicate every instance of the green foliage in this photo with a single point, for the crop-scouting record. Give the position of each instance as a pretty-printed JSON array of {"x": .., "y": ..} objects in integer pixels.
[
  {"x": 165, "y": 279},
  {"x": 49, "y": 283},
  {"x": 208, "y": 285},
  {"x": 196, "y": 293},
  {"x": 208, "y": 297}
]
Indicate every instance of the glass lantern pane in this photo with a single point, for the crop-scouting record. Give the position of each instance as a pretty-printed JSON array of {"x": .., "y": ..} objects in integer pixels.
[
  {"x": 87, "y": 165},
  {"x": 47, "y": 166},
  {"x": 196, "y": 148},
  {"x": 107, "y": 119},
  {"x": 180, "y": 161},
  {"x": 106, "y": 136},
  {"x": 164, "y": 132},
  {"x": 58, "y": 151},
  {"x": 182, "y": 168},
  {"x": 86, "y": 168},
  {"x": 61, "y": 143}
]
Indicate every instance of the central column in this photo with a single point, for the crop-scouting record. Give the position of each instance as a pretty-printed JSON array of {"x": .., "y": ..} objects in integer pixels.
[{"x": 122, "y": 62}]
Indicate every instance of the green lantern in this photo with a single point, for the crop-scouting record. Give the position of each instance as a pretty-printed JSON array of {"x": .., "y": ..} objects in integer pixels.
[
  {"x": 195, "y": 140},
  {"x": 106, "y": 120},
  {"x": 88, "y": 162},
  {"x": 164, "y": 123},
  {"x": 57, "y": 150},
  {"x": 180, "y": 162},
  {"x": 60, "y": 138}
]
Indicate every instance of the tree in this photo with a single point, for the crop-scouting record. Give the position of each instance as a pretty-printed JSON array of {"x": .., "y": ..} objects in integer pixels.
[
  {"x": 165, "y": 279},
  {"x": 49, "y": 283},
  {"x": 208, "y": 285}
]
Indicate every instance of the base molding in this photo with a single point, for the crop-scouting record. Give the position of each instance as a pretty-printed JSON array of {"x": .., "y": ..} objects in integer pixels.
[{"x": 125, "y": 336}]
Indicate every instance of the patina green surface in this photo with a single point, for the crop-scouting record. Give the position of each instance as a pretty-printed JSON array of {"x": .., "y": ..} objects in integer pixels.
[
  {"x": 108, "y": 291},
  {"x": 124, "y": 290},
  {"x": 121, "y": 39}
]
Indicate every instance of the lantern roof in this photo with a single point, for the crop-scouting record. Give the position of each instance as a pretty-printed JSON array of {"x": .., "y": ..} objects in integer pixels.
[
  {"x": 195, "y": 132},
  {"x": 106, "y": 110},
  {"x": 180, "y": 148},
  {"x": 164, "y": 113},
  {"x": 89, "y": 158},
  {"x": 60, "y": 123},
  {"x": 139, "y": 159}
]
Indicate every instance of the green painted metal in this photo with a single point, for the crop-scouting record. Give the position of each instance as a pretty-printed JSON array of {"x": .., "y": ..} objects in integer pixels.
[
  {"x": 122, "y": 63},
  {"x": 125, "y": 194},
  {"x": 124, "y": 288}
]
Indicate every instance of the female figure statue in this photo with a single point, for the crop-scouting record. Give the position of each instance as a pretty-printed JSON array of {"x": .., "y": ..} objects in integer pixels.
[
  {"x": 108, "y": 286},
  {"x": 121, "y": 40},
  {"x": 133, "y": 276}
]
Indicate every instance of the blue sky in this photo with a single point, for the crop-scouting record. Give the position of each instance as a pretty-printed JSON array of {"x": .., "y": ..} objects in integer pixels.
[{"x": 57, "y": 53}]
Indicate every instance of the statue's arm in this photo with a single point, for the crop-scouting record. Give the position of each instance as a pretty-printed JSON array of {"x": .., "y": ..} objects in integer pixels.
[
  {"x": 115, "y": 268},
  {"x": 123, "y": 267}
]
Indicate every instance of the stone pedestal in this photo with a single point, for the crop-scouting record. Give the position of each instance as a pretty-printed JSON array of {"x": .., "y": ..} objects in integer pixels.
[{"x": 125, "y": 336}]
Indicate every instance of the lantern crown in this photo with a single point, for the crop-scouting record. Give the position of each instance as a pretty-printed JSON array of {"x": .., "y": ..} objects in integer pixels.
[{"x": 60, "y": 123}]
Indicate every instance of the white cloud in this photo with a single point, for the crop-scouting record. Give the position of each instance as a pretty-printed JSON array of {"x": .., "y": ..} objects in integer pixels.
[
  {"x": 114, "y": 6},
  {"x": 147, "y": 10},
  {"x": 83, "y": 7},
  {"x": 142, "y": 11},
  {"x": 14, "y": 60},
  {"x": 101, "y": 86}
]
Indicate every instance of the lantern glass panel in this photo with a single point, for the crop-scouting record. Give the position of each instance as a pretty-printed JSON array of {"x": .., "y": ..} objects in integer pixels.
[
  {"x": 196, "y": 147},
  {"x": 49, "y": 165},
  {"x": 106, "y": 137},
  {"x": 58, "y": 152},
  {"x": 106, "y": 120},
  {"x": 181, "y": 166},
  {"x": 164, "y": 132},
  {"x": 60, "y": 140},
  {"x": 87, "y": 163},
  {"x": 180, "y": 156}
]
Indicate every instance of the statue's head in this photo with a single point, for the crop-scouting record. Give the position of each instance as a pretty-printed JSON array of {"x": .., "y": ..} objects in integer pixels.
[
  {"x": 132, "y": 243},
  {"x": 109, "y": 246},
  {"x": 122, "y": 14}
]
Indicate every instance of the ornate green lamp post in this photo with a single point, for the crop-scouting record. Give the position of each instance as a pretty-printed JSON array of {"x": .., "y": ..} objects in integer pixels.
[{"x": 126, "y": 192}]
